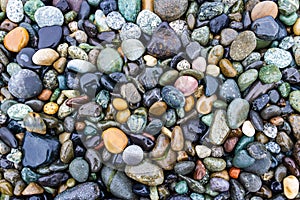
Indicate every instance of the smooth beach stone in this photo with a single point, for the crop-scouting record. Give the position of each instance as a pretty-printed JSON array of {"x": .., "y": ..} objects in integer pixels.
[
  {"x": 93, "y": 157},
  {"x": 148, "y": 21},
  {"x": 129, "y": 9},
  {"x": 260, "y": 166},
  {"x": 79, "y": 169},
  {"x": 16, "y": 39},
  {"x": 53, "y": 180},
  {"x": 108, "y": 5},
  {"x": 186, "y": 84},
  {"x": 31, "y": 6},
  {"x": 209, "y": 10},
  {"x": 115, "y": 20},
  {"x": 290, "y": 186},
  {"x": 214, "y": 164},
  {"x": 288, "y": 7},
  {"x": 170, "y": 10},
  {"x": 181, "y": 187},
  {"x": 243, "y": 45},
  {"x": 14, "y": 10},
  {"x": 168, "y": 77},
  {"x": 242, "y": 159},
  {"x": 294, "y": 99},
  {"x": 260, "y": 102},
  {"x": 88, "y": 190},
  {"x": 34, "y": 123},
  {"x": 164, "y": 42},
  {"x": 247, "y": 78},
  {"x": 219, "y": 184},
  {"x": 39, "y": 150},
  {"x": 49, "y": 37},
  {"x": 278, "y": 57},
  {"x": 184, "y": 167},
  {"x": 229, "y": 90},
  {"x": 218, "y": 23},
  {"x": 81, "y": 66},
  {"x": 109, "y": 61},
  {"x": 237, "y": 191},
  {"x": 133, "y": 49},
  {"x": 45, "y": 57},
  {"x": 251, "y": 182},
  {"x": 212, "y": 85},
  {"x": 67, "y": 152},
  {"x": 228, "y": 35},
  {"x": 24, "y": 57},
  {"x": 114, "y": 140},
  {"x": 219, "y": 129},
  {"x": 48, "y": 16},
  {"x": 265, "y": 28},
  {"x": 202, "y": 151},
  {"x": 133, "y": 155},
  {"x": 173, "y": 97},
  {"x": 146, "y": 173},
  {"x": 77, "y": 53},
  {"x": 270, "y": 111},
  {"x": 8, "y": 138},
  {"x": 18, "y": 111},
  {"x": 130, "y": 31},
  {"x": 201, "y": 35},
  {"x": 237, "y": 112},
  {"x": 270, "y": 74},
  {"x": 263, "y": 9}
]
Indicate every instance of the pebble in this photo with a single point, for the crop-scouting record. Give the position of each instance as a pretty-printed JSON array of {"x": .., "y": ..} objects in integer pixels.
[
  {"x": 129, "y": 9},
  {"x": 201, "y": 35},
  {"x": 79, "y": 169},
  {"x": 38, "y": 150},
  {"x": 186, "y": 84},
  {"x": 219, "y": 184},
  {"x": 32, "y": 189},
  {"x": 48, "y": 16},
  {"x": 7, "y": 138},
  {"x": 173, "y": 97},
  {"x": 164, "y": 42},
  {"x": 229, "y": 90},
  {"x": 288, "y": 7},
  {"x": 237, "y": 112},
  {"x": 18, "y": 111},
  {"x": 294, "y": 100},
  {"x": 45, "y": 57},
  {"x": 81, "y": 66},
  {"x": 130, "y": 31},
  {"x": 270, "y": 74},
  {"x": 115, "y": 20},
  {"x": 247, "y": 78},
  {"x": 14, "y": 10},
  {"x": 170, "y": 10},
  {"x": 16, "y": 39},
  {"x": 270, "y": 130},
  {"x": 266, "y": 28},
  {"x": 290, "y": 186},
  {"x": 184, "y": 167},
  {"x": 214, "y": 164},
  {"x": 251, "y": 182},
  {"x": 133, "y": 49},
  {"x": 148, "y": 21},
  {"x": 25, "y": 84},
  {"x": 34, "y": 123},
  {"x": 109, "y": 61},
  {"x": 132, "y": 155},
  {"x": 226, "y": 68},
  {"x": 114, "y": 139},
  {"x": 278, "y": 57},
  {"x": 146, "y": 173},
  {"x": 88, "y": 190},
  {"x": 243, "y": 45},
  {"x": 228, "y": 35},
  {"x": 248, "y": 128},
  {"x": 237, "y": 192},
  {"x": 203, "y": 151},
  {"x": 209, "y": 10},
  {"x": 263, "y": 9},
  {"x": 242, "y": 159},
  {"x": 45, "y": 40}
]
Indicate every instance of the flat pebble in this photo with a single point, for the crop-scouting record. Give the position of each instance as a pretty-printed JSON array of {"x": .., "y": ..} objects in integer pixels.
[{"x": 48, "y": 16}]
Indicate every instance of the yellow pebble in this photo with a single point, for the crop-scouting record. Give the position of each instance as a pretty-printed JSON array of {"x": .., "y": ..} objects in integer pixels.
[
  {"x": 51, "y": 108},
  {"x": 119, "y": 104},
  {"x": 296, "y": 27}
]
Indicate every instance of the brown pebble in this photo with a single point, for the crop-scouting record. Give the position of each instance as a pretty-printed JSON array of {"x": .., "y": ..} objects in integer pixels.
[
  {"x": 227, "y": 69},
  {"x": 148, "y": 5},
  {"x": 8, "y": 25},
  {"x": 177, "y": 139},
  {"x": 189, "y": 103},
  {"x": 119, "y": 104},
  {"x": 33, "y": 188},
  {"x": 60, "y": 64},
  {"x": 204, "y": 104},
  {"x": 16, "y": 39},
  {"x": 158, "y": 108},
  {"x": 222, "y": 174},
  {"x": 277, "y": 121},
  {"x": 200, "y": 170},
  {"x": 291, "y": 166},
  {"x": 230, "y": 144},
  {"x": 263, "y": 9},
  {"x": 45, "y": 95},
  {"x": 122, "y": 116}
]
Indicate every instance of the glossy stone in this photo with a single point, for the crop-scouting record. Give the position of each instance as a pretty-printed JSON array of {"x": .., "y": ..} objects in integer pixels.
[
  {"x": 79, "y": 169},
  {"x": 170, "y": 10},
  {"x": 229, "y": 90},
  {"x": 237, "y": 112},
  {"x": 49, "y": 37},
  {"x": 173, "y": 97}
]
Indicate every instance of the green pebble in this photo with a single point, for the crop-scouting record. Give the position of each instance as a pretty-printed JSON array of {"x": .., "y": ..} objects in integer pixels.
[
  {"x": 287, "y": 7},
  {"x": 219, "y": 104},
  {"x": 89, "y": 130},
  {"x": 242, "y": 159},
  {"x": 29, "y": 176},
  {"x": 55, "y": 95},
  {"x": 70, "y": 16},
  {"x": 109, "y": 61},
  {"x": 242, "y": 143},
  {"x": 288, "y": 20},
  {"x": 18, "y": 111},
  {"x": 181, "y": 187},
  {"x": 260, "y": 44},
  {"x": 247, "y": 78},
  {"x": 284, "y": 89},
  {"x": 201, "y": 35},
  {"x": 196, "y": 196},
  {"x": 94, "y": 3},
  {"x": 207, "y": 119},
  {"x": 31, "y": 6},
  {"x": 270, "y": 74},
  {"x": 129, "y": 9},
  {"x": 103, "y": 98},
  {"x": 214, "y": 164},
  {"x": 295, "y": 100},
  {"x": 238, "y": 67},
  {"x": 2, "y": 16}
]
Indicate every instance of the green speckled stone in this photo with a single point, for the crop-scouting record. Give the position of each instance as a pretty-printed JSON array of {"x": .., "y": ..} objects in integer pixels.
[
  {"x": 31, "y": 6},
  {"x": 196, "y": 196},
  {"x": 247, "y": 78},
  {"x": 287, "y": 7},
  {"x": 270, "y": 74},
  {"x": 295, "y": 100},
  {"x": 284, "y": 89},
  {"x": 201, "y": 35},
  {"x": 214, "y": 164},
  {"x": 18, "y": 111},
  {"x": 79, "y": 169},
  {"x": 28, "y": 175},
  {"x": 129, "y": 9},
  {"x": 288, "y": 20},
  {"x": 109, "y": 61},
  {"x": 278, "y": 57}
]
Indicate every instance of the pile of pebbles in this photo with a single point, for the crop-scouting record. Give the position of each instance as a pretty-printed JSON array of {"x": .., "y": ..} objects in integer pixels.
[{"x": 149, "y": 99}]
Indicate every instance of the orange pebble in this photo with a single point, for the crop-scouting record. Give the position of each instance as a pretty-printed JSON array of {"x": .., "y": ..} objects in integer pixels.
[
  {"x": 16, "y": 39},
  {"x": 45, "y": 95},
  {"x": 234, "y": 172}
]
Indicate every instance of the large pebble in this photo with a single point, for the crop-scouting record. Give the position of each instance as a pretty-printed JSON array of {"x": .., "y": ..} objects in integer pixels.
[
  {"x": 79, "y": 169},
  {"x": 173, "y": 97},
  {"x": 219, "y": 129},
  {"x": 251, "y": 182},
  {"x": 146, "y": 173},
  {"x": 214, "y": 164},
  {"x": 263, "y": 9},
  {"x": 48, "y": 16},
  {"x": 270, "y": 74},
  {"x": 14, "y": 10},
  {"x": 290, "y": 186},
  {"x": 45, "y": 57},
  {"x": 243, "y": 45},
  {"x": 109, "y": 61},
  {"x": 114, "y": 140},
  {"x": 170, "y": 10},
  {"x": 186, "y": 84},
  {"x": 18, "y": 111},
  {"x": 133, "y": 49},
  {"x": 25, "y": 84},
  {"x": 133, "y": 155},
  {"x": 278, "y": 57},
  {"x": 148, "y": 21},
  {"x": 237, "y": 112},
  {"x": 16, "y": 39}
]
